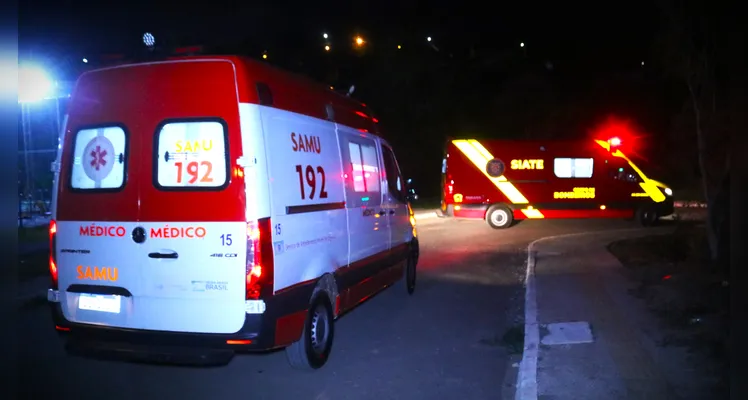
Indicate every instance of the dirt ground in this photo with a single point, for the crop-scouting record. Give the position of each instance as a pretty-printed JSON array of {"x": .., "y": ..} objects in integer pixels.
[{"x": 673, "y": 276}]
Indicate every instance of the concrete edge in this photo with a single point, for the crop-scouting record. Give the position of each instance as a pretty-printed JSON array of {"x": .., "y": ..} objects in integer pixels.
[
  {"x": 527, "y": 377},
  {"x": 425, "y": 214}
]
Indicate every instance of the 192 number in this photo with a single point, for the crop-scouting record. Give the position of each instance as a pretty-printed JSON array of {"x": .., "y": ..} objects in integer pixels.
[
  {"x": 308, "y": 174},
  {"x": 193, "y": 170}
]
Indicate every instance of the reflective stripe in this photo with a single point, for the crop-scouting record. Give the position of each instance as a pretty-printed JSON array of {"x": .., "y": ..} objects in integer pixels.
[
  {"x": 480, "y": 156},
  {"x": 648, "y": 185},
  {"x": 533, "y": 213}
]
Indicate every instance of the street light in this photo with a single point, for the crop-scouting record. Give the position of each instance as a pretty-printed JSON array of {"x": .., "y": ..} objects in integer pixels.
[
  {"x": 428, "y": 39},
  {"x": 33, "y": 84},
  {"x": 327, "y": 47},
  {"x": 149, "y": 39},
  {"x": 399, "y": 47},
  {"x": 359, "y": 41},
  {"x": 324, "y": 35},
  {"x": 522, "y": 44},
  {"x": 85, "y": 60}
]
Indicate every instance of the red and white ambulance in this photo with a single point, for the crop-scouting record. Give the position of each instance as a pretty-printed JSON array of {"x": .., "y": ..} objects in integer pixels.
[
  {"x": 502, "y": 181},
  {"x": 205, "y": 205}
]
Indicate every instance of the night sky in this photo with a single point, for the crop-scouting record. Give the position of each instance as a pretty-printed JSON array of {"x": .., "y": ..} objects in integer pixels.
[
  {"x": 594, "y": 37},
  {"x": 588, "y": 56}
]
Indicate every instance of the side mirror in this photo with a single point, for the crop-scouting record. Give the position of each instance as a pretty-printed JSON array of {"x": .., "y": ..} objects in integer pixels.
[{"x": 410, "y": 190}]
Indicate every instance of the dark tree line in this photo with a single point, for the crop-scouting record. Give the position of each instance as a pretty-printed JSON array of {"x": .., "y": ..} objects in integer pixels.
[{"x": 699, "y": 47}]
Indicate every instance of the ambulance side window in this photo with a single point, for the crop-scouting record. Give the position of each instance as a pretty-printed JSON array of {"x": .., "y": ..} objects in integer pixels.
[
  {"x": 395, "y": 182},
  {"x": 99, "y": 159},
  {"x": 573, "y": 167},
  {"x": 623, "y": 174},
  {"x": 191, "y": 155},
  {"x": 363, "y": 168}
]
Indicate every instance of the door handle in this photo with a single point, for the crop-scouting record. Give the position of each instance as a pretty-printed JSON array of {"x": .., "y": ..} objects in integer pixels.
[
  {"x": 172, "y": 255},
  {"x": 392, "y": 212}
]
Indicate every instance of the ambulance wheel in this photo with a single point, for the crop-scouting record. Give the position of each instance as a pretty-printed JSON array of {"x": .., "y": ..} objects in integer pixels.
[
  {"x": 646, "y": 216},
  {"x": 499, "y": 216},
  {"x": 410, "y": 269},
  {"x": 313, "y": 349}
]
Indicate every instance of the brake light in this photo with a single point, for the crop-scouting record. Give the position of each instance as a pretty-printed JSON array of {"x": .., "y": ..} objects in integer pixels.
[
  {"x": 259, "y": 268},
  {"x": 53, "y": 252}
]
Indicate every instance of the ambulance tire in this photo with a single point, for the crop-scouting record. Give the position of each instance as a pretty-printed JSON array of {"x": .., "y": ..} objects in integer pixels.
[
  {"x": 499, "y": 216},
  {"x": 646, "y": 216},
  {"x": 410, "y": 268},
  {"x": 313, "y": 349}
]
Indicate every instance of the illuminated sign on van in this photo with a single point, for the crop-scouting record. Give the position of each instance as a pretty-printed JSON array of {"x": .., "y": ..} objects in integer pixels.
[
  {"x": 576, "y": 193},
  {"x": 97, "y": 273},
  {"x": 527, "y": 164},
  {"x": 193, "y": 146}
]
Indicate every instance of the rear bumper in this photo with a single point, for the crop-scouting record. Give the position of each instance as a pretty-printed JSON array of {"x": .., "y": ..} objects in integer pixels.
[
  {"x": 463, "y": 210},
  {"x": 278, "y": 326}
]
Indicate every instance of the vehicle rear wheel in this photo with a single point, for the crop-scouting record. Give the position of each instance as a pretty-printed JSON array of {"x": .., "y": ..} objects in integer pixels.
[
  {"x": 499, "y": 216},
  {"x": 410, "y": 271},
  {"x": 646, "y": 216},
  {"x": 313, "y": 349}
]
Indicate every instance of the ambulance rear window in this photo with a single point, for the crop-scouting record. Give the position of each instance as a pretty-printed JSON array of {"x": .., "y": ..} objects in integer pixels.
[
  {"x": 99, "y": 159},
  {"x": 191, "y": 155}
]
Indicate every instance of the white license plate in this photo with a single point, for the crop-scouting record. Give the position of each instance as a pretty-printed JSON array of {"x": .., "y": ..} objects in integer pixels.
[{"x": 98, "y": 302}]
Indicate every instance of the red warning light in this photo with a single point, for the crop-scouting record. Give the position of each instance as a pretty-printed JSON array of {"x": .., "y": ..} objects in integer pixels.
[{"x": 618, "y": 134}]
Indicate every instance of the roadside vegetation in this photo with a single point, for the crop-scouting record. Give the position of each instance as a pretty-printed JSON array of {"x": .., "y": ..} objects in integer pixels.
[{"x": 676, "y": 278}]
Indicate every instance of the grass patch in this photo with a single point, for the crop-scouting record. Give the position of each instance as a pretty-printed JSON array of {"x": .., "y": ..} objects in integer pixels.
[
  {"x": 33, "y": 234},
  {"x": 677, "y": 282}
]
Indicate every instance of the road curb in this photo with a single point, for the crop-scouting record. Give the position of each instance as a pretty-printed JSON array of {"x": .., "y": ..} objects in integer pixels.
[
  {"x": 432, "y": 213},
  {"x": 425, "y": 214},
  {"x": 527, "y": 377}
]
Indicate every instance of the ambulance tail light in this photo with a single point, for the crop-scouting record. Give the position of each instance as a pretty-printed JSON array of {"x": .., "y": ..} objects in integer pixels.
[
  {"x": 259, "y": 271},
  {"x": 53, "y": 252}
]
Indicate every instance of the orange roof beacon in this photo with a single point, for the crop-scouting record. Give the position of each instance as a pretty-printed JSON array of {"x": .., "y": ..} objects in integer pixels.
[{"x": 503, "y": 180}]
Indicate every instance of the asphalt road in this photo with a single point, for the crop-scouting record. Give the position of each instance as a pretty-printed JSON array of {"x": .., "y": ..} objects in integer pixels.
[{"x": 444, "y": 342}]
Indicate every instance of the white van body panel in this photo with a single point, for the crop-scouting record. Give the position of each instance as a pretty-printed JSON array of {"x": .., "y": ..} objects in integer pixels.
[
  {"x": 255, "y": 162},
  {"x": 310, "y": 227},
  {"x": 401, "y": 231},
  {"x": 179, "y": 295},
  {"x": 368, "y": 230}
]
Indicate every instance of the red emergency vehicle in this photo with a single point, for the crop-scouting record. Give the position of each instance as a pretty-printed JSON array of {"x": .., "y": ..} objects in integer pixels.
[{"x": 502, "y": 181}]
